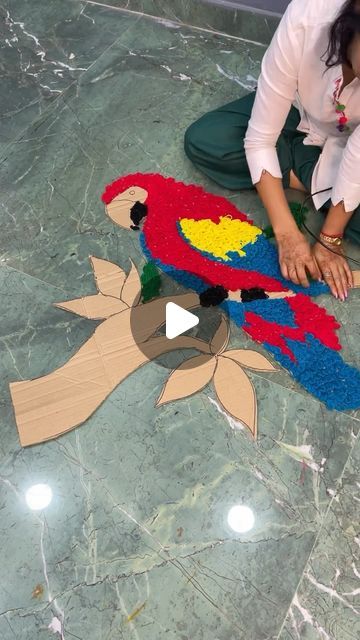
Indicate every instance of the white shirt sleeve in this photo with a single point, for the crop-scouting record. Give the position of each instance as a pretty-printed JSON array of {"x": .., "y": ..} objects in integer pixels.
[
  {"x": 275, "y": 93},
  {"x": 347, "y": 184}
]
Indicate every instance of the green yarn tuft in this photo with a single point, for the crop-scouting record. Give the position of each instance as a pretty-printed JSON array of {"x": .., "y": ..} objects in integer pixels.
[
  {"x": 299, "y": 214},
  {"x": 269, "y": 232},
  {"x": 150, "y": 282}
]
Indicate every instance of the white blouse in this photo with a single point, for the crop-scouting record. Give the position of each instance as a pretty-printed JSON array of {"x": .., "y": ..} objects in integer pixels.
[{"x": 292, "y": 73}]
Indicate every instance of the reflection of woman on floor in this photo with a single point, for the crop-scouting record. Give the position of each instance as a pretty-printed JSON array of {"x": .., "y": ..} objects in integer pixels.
[{"x": 312, "y": 63}]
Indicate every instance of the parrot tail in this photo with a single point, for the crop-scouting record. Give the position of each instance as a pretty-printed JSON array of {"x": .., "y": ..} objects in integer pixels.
[
  {"x": 322, "y": 372},
  {"x": 302, "y": 338}
]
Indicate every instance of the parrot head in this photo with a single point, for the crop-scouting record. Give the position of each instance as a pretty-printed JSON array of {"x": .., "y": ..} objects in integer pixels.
[
  {"x": 128, "y": 207},
  {"x": 127, "y": 199}
]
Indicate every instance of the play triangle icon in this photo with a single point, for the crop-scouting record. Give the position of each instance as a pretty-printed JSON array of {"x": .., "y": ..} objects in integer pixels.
[{"x": 178, "y": 320}]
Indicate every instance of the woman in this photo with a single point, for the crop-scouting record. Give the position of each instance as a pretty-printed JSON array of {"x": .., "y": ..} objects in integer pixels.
[{"x": 312, "y": 63}]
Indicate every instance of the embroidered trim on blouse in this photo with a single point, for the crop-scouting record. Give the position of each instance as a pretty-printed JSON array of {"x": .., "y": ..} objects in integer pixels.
[{"x": 340, "y": 109}]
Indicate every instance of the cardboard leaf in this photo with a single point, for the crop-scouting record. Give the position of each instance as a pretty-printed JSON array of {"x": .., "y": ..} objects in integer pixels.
[
  {"x": 250, "y": 359},
  {"x": 189, "y": 378},
  {"x": 236, "y": 393},
  {"x": 108, "y": 276},
  {"x": 131, "y": 292},
  {"x": 356, "y": 275},
  {"x": 235, "y": 425},
  {"x": 97, "y": 307},
  {"x": 221, "y": 337}
]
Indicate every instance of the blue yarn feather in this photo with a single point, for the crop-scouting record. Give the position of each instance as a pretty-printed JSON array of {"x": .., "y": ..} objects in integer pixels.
[
  {"x": 319, "y": 369},
  {"x": 262, "y": 257},
  {"x": 236, "y": 311},
  {"x": 185, "y": 278},
  {"x": 322, "y": 372},
  {"x": 277, "y": 311}
]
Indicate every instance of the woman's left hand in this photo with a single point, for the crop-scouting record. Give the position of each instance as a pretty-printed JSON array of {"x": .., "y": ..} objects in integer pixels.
[{"x": 334, "y": 269}]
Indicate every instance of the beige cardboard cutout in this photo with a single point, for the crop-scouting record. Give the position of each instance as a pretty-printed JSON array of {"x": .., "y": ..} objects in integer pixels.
[
  {"x": 47, "y": 407},
  {"x": 356, "y": 275},
  {"x": 109, "y": 277},
  {"x": 119, "y": 209},
  {"x": 189, "y": 378},
  {"x": 236, "y": 393}
]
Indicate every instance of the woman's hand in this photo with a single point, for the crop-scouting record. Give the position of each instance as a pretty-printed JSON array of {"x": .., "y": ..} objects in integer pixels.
[
  {"x": 334, "y": 269},
  {"x": 296, "y": 258}
]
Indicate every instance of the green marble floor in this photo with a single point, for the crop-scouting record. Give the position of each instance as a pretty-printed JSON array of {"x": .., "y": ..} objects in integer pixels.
[{"x": 141, "y": 496}]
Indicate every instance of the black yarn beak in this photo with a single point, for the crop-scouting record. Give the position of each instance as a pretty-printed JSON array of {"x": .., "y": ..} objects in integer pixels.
[{"x": 137, "y": 213}]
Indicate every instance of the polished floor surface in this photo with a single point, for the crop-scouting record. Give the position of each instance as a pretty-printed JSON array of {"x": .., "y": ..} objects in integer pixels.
[{"x": 135, "y": 543}]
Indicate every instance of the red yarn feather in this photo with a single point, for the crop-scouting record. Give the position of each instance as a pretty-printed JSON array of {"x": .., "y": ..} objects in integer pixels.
[
  {"x": 168, "y": 202},
  {"x": 309, "y": 318}
]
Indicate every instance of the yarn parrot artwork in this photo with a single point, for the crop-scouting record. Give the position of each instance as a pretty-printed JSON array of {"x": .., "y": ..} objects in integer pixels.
[
  {"x": 205, "y": 243},
  {"x": 208, "y": 245}
]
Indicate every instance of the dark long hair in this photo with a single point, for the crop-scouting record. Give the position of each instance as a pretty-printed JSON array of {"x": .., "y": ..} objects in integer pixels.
[{"x": 342, "y": 33}]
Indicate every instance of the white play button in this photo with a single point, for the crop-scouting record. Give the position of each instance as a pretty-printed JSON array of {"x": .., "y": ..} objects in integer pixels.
[{"x": 178, "y": 320}]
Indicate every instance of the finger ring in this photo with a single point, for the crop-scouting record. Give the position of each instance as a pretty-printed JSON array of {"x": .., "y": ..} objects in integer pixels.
[{"x": 327, "y": 274}]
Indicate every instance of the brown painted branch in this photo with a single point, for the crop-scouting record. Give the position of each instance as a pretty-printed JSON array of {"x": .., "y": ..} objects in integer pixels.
[{"x": 60, "y": 401}]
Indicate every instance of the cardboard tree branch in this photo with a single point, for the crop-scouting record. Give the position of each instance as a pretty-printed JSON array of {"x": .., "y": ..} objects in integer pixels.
[{"x": 52, "y": 405}]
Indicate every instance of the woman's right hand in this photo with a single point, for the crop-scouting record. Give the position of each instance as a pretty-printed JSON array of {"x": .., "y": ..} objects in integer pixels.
[{"x": 296, "y": 259}]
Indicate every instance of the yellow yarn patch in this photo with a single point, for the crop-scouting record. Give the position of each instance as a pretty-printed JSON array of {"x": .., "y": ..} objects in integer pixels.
[{"x": 220, "y": 238}]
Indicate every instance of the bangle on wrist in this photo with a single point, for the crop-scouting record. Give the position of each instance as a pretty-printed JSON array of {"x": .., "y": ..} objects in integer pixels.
[
  {"x": 331, "y": 239},
  {"x": 332, "y": 235}
]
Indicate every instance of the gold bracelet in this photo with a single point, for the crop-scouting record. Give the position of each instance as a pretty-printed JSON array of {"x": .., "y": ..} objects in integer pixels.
[{"x": 335, "y": 241}]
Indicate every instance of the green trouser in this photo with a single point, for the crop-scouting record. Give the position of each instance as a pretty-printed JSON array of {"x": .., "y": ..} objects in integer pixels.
[{"x": 215, "y": 144}]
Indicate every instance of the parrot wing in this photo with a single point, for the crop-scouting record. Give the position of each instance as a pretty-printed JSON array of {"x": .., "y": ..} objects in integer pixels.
[{"x": 225, "y": 251}]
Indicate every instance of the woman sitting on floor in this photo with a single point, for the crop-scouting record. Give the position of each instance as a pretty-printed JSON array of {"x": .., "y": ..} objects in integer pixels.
[{"x": 299, "y": 129}]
